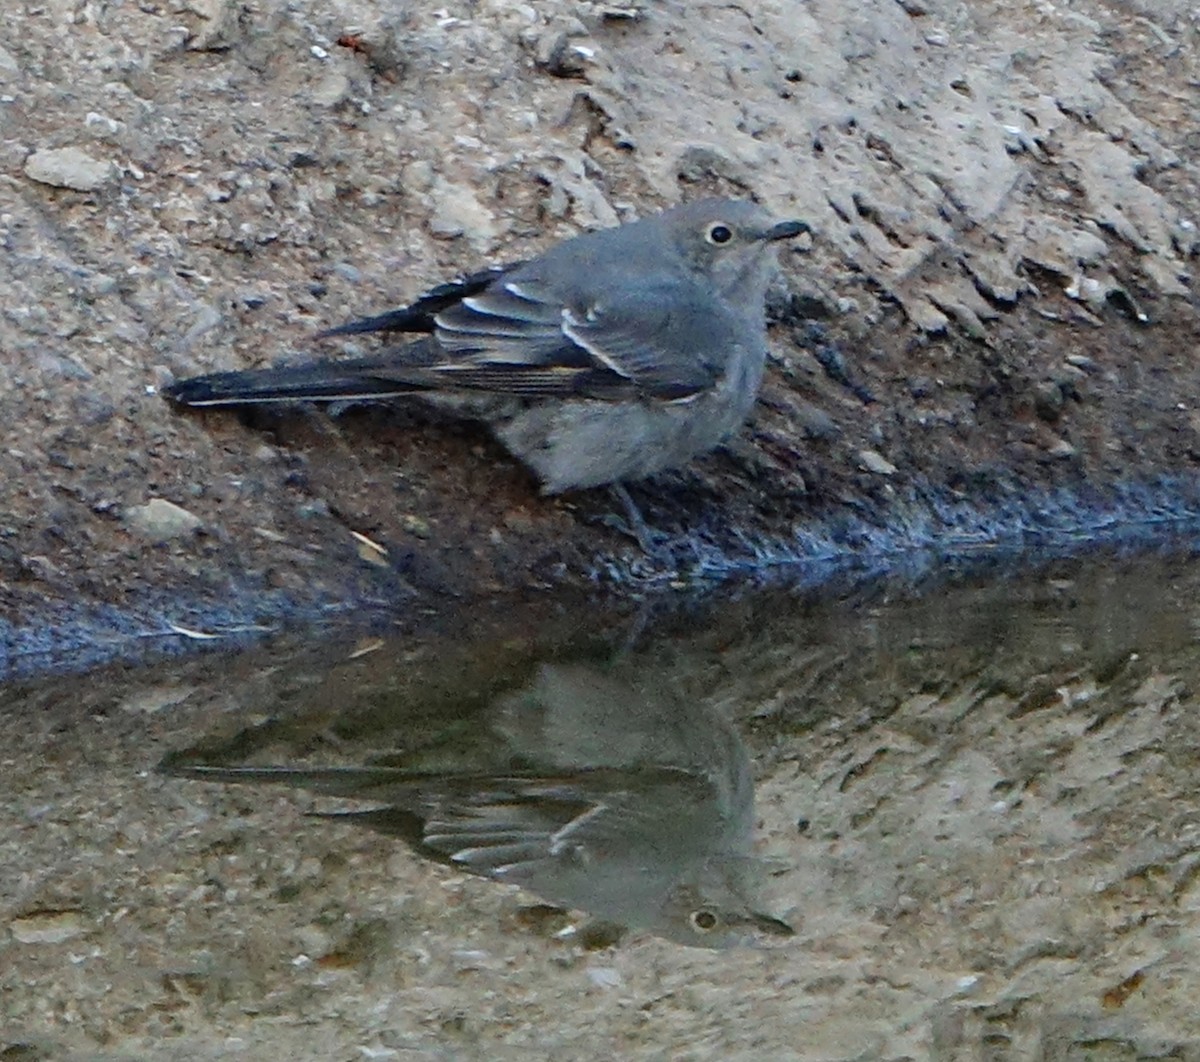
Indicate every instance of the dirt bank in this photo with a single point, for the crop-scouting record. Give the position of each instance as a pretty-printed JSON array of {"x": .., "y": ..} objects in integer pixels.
[{"x": 996, "y": 305}]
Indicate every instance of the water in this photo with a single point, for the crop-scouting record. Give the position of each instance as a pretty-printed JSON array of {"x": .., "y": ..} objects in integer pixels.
[{"x": 963, "y": 823}]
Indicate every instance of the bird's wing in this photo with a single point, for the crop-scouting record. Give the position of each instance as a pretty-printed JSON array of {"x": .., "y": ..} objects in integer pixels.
[
  {"x": 665, "y": 340},
  {"x": 419, "y": 316},
  {"x": 513, "y": 322},
  {"x": 491, "y": 824},
  {"x": 672, "y": 340}
]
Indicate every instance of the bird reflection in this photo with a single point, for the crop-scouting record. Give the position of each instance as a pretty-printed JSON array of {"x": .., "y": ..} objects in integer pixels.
[{"x": 599, "y": 792}]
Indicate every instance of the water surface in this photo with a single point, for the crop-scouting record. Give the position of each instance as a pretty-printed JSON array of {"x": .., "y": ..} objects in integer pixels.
[{"x": 900, "y": 824}]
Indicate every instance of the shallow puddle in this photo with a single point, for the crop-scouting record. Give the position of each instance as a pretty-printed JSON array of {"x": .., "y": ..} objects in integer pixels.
[{"x": 964, "y": 823}]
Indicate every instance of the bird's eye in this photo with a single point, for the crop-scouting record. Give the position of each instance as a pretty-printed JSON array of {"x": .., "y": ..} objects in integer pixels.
[
  {"x": 719, "y": 233},
  {"x": 704, "y": 921}
]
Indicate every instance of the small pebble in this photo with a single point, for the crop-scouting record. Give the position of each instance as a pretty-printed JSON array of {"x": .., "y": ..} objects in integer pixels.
[
  {"x": 68, "y": 167},
  {"x": 160, "y": 520},
  {"x": 876, "y": 462}
]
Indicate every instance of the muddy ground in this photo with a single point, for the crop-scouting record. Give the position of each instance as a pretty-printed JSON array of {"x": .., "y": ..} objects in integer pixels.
[{"x": 996, "y": 304}]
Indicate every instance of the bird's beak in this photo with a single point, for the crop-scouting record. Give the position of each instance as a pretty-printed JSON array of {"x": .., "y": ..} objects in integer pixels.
[
  {"x": 786, "y": 230},
  {"x": 774, "y": 927}
]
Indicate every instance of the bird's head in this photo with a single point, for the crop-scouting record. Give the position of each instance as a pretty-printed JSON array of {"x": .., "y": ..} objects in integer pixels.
[{"x": 730, "y": 242}]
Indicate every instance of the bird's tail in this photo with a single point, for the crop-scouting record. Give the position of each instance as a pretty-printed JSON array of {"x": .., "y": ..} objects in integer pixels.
[
  {"x": 318, "y": 381},
  {"x": 364, "y": 782}
]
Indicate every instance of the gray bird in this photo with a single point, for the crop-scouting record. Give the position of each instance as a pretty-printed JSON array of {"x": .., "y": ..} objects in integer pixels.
[
  {"x": 596, "y": 793},
  {"x": 612, "y": 356}
]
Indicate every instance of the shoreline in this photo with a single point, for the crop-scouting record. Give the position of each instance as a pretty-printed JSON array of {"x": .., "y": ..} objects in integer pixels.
[{"x": 915, "y": 546}]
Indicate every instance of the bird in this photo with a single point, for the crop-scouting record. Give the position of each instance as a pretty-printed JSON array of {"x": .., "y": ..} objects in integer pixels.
[
  {"x": 612, "y": 356},
  {"x": 594, "y": 788}
]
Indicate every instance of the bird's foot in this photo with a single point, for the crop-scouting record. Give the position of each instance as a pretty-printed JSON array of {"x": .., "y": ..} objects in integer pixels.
[{"x": 634, "y": 525}]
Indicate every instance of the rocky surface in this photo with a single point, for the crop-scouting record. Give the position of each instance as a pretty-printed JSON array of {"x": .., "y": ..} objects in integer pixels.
[{"x": 997, "y": 301}]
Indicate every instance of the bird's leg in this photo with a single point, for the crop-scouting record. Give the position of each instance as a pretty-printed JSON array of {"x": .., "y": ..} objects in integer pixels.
[
  {"x": 636, "y": 629},
  {"x": 635, "y": 525}
]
